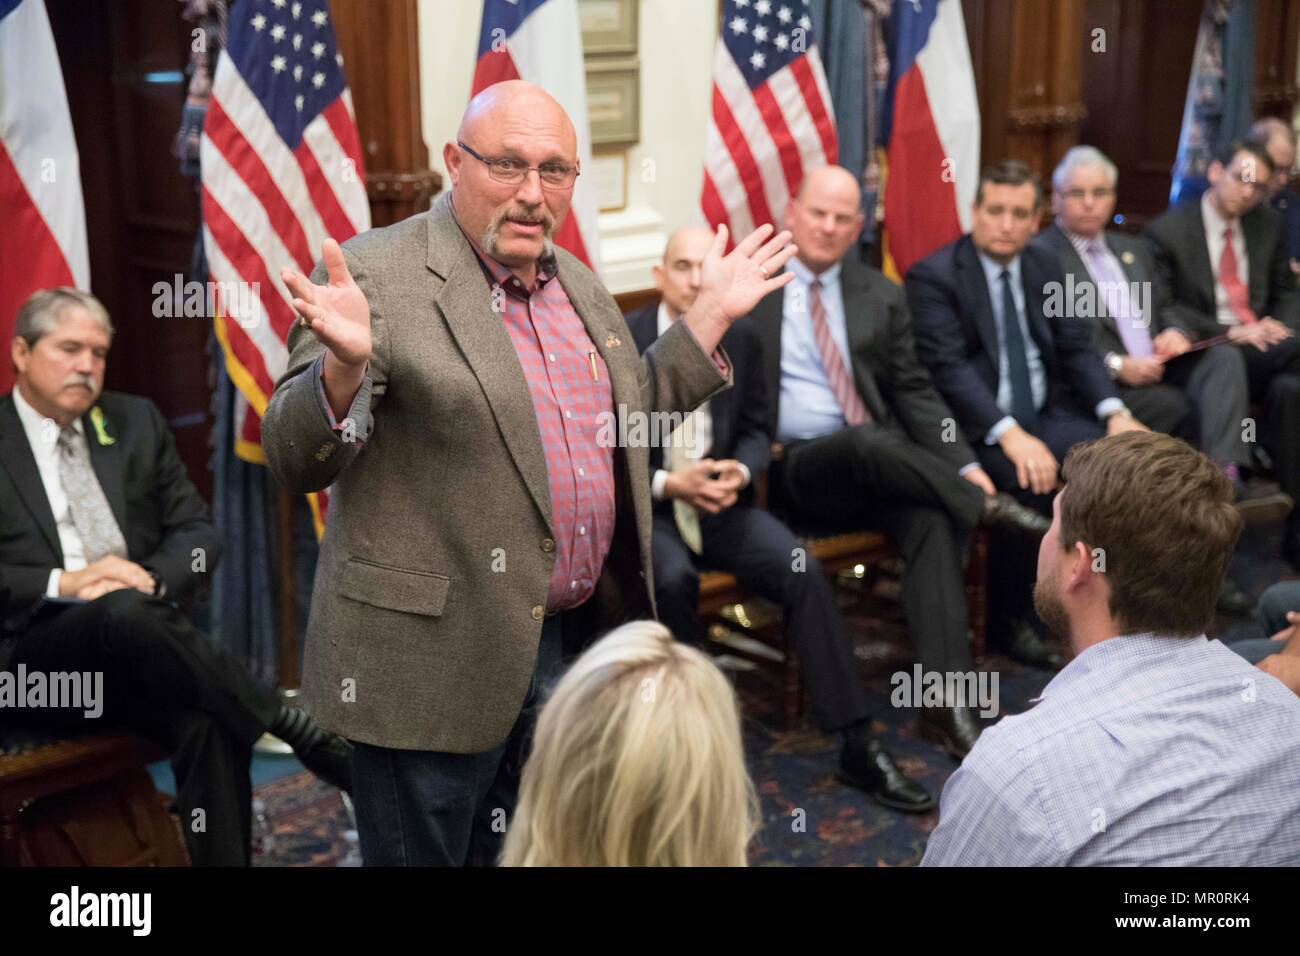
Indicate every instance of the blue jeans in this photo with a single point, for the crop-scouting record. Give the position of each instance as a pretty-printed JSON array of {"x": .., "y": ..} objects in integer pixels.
[
  {"x": 1271, "y": 614},
  {"x": 424, "y": 808}
]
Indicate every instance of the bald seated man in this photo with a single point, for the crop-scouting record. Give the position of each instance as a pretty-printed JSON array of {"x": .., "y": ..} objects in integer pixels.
[
  {"x": 704, "y": 517},
  {"x": 868, "y": 440},
  {"x": 454, "y": 382}
]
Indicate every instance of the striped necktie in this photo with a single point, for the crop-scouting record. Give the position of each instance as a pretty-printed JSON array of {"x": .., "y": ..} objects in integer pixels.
[{"x": 846, "y": 393}]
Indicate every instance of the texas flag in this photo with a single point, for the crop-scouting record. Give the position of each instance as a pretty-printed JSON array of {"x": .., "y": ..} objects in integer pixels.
[
  {"x": 540, "y": 41},
  {"x": 931, "y": 131},
  {"x": 42, "y": 217}
]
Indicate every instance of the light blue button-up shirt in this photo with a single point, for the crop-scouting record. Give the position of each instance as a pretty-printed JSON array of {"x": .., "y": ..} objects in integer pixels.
[
  {"x": 809, "y": 408},
  {"x": 1144, "y": 750}
]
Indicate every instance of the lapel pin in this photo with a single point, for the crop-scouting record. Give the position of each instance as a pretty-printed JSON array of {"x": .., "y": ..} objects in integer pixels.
[
  {"x": 101, "y": 430},
  {"x": 613, "y": 342},
  {"x": 1127, "y": 257}
]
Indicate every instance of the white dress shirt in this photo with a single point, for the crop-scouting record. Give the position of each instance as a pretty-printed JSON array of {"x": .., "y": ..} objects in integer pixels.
[
  {"x": 43, "y": 437},
  {"x": 1214, "y": 226},
  {"x": 701, "y": 420}
]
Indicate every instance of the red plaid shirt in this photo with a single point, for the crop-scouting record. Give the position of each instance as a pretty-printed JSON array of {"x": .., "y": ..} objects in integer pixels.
[{"x": 556, "y": 355}]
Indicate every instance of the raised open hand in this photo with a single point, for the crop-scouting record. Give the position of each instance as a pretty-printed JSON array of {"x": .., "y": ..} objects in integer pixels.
[
  {"x": 338, "y": 313},
  {"x": 732, "y": 284}
]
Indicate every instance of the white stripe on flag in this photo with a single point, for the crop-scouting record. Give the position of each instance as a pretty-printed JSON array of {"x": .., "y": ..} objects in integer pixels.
[
  {"x": 949, "y": 80},
  {"x": 36, "y": 129},
  {"x": 333, "y": 161},
  {"x": 785, "y": 89},
  {"x": 275, "y": 354},
  {"x": 762, "y": 146},
  {"x": 819, "y": 75},
  {"x": 246, "y": 211},
  {"x": 248, "y": 116},
  {"x": 718, "y": 162}
]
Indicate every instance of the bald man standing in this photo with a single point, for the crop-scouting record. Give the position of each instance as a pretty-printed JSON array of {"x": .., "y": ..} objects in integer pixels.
[{"x": 451, "y": 383}]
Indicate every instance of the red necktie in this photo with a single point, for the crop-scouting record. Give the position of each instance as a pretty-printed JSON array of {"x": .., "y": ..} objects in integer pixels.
[
  {"x": 846, "y": 393},
  {"x": 1238, "y": 299}
]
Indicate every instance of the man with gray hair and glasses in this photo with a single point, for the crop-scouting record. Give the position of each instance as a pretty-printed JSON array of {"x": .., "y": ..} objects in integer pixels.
[{"x": 102, "y": 538}]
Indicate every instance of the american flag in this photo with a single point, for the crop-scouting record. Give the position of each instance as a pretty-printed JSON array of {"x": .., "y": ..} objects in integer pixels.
[
  {"x": 772, "y": 118},
  {"x": 281, "y": 171}
]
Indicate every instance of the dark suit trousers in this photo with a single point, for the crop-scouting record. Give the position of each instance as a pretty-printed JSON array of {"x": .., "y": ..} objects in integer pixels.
[
  {"x": 1015, "y": 565},
  {"x": 870, "y": 477},
  {"x": 427, "y": 808},
  {"x": 1203, "y": 398},
  {"x": 163, "y": 680},
  {"x": 760, "y": 551},
  {"x": 1275, "y": 383}
]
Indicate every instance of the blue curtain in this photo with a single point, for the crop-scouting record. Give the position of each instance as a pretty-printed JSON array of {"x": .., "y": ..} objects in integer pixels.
[{"x": 243, "y": 601}]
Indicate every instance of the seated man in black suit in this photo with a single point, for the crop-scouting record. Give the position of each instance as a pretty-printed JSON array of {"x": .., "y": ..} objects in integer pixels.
[
  {"x": 868, "y": 442},
  {"x": 1025, "y": 385},
  {"x": 1223, "y": 264},
  {"x": 702, "y": 481},
  {"x": 101, "y": 535}
]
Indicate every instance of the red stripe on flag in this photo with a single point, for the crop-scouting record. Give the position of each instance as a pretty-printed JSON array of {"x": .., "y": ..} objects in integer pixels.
[
  {"x": 345, "y": 131},
  {"x": 791, "y": 163},
  {"x": 337, "y": 223},
  {"x": 920, "y": 207},
  {"x": 493, "y": 67},
  {"x": 241, "y": 156},
  {"x": 812, "y": 97},
  {"x": 32, "y": 256},
  {"x": 715, "y": 211},
  {"x": 751, "y": 179},
  {"x": 248, "y": 263}
]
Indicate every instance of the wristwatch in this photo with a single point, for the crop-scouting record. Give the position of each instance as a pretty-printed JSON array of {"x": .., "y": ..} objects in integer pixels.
[{"x": 1114, "y": 362}]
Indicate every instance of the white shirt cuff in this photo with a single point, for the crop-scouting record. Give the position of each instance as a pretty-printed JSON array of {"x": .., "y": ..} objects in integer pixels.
[
  {"x": 1003, "y": 425},
  {"x": 52, "y": 588},
  {"x": 744, "y": 470},
  {"x": 657, "y": 484},
  {"x": 967, "y": 469},
  {"x": 1107, "y": 407}
]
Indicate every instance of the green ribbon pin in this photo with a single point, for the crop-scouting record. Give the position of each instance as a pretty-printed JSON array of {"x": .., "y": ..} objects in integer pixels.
[{"x": 101, "y": 431}]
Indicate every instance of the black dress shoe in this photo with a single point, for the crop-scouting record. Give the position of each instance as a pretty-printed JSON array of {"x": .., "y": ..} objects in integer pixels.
[
  {"x": 330, "y": 758},
  {"x": 867, "y": 765},
  {"x": 1026, "y": 647},
  {"x": 1003, "y": 511},
  {"x": 1232, "y": 600},
  {"x": 954, "y": 729}
]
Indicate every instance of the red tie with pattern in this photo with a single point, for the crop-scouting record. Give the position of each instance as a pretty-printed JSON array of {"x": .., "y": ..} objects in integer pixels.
[
  {"x": 846, "y": 393},
  {"x": 1231, "y": 282}
]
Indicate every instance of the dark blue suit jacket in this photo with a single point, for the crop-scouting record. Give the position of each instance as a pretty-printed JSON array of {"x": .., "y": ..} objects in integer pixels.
[
  {"x": 741, "y": 413},
  {"x": 957, "y": 336}
]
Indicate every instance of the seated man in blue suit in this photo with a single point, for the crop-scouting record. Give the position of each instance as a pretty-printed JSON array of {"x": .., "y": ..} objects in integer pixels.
[
  {"x": 702, "y": 481},
  {"x": 1024, "y": 385}
]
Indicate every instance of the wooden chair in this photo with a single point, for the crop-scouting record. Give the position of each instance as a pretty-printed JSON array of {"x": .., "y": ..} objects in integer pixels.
[{"x": 83, "y": 802}]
